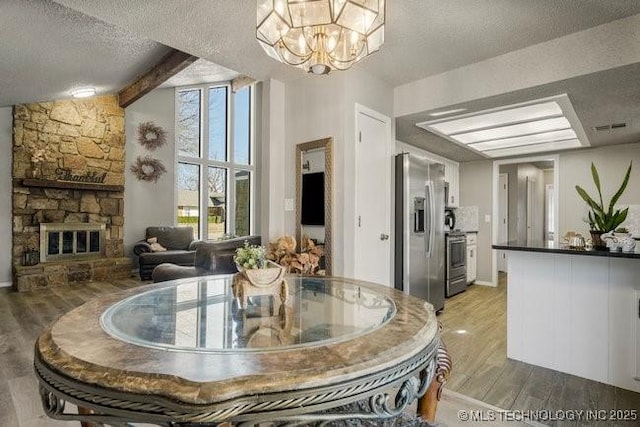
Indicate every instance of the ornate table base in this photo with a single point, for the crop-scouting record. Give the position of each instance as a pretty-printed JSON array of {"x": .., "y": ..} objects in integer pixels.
[
  {"x": 100, "y": 406},
  {"x": 344, "y": 350},
  {"x": 97, "y": 405},
  {"x": 429, "y": 403}
]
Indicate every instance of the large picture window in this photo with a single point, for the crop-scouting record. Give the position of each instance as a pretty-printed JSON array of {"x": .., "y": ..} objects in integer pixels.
[{"x": 215, "y": 170}]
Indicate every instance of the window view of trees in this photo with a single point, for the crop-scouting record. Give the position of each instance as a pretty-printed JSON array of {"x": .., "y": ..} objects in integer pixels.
[{"x": 214, "y": 205}]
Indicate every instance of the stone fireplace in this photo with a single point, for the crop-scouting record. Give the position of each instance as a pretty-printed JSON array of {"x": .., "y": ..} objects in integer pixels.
[
  {"x": 68, "y": 185},
  {"x": 71, "y": 240}
]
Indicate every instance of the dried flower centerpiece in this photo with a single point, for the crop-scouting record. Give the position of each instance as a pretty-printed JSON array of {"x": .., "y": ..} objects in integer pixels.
[
  {"x": 283, "y": 251},
  {"x": 258, "y": 276}
]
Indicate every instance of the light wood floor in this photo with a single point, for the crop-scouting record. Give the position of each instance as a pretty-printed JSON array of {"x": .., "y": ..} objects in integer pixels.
[
  {"x": 481, "y": 369},
  {"x": 22, "y": 316}
]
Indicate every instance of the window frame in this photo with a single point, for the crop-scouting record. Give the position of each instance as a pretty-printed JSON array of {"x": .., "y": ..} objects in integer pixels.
[{"x": 229, "y": 165}]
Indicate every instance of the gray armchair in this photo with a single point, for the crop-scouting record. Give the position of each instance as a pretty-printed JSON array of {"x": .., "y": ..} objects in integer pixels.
[
  {"x": 179, "y": 242},
  {"x": 210, "y": 258}
]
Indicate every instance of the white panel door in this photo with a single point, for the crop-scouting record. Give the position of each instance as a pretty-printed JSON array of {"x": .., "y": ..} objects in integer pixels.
[
  {"x": 503, "y": 218},
  {"x": 373, "y": 199}
]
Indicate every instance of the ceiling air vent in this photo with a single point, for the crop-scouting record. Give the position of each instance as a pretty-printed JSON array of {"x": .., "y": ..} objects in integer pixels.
[{"x": 611, "y": 126}]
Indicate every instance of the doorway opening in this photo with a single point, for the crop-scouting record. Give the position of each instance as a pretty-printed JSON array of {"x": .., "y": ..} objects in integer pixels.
[{"x": 525, "y": 208}]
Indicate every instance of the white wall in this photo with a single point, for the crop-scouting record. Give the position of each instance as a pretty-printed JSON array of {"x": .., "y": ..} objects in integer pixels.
[
  {"x": 315, "y": 109},
  {"x": 320, "y": 107},
  {"x": 612, "y": 163},
  {"x": 147, "y": 203},
  {"x": 6, "y": 148},
  {"x": 273, "y": 157},
  {"x": 476, "y": 190}
]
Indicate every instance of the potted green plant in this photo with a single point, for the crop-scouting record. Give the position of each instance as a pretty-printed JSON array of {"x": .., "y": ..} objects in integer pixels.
[
  {"x": 621, "y": 232},
  {"x": 257, "y": 275},
  {"x": 604, "y": 218},
  {"x": 255, "y": 267},
  {"x": 249, "y": 257}
]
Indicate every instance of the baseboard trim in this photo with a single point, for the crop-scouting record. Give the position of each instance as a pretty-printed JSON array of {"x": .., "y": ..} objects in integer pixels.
[
  {"x": 483, "y": 283},
  {"x": 5, "y": 284}
]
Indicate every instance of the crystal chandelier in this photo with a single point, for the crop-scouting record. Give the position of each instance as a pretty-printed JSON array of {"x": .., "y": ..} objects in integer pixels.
[{"x": 320, "y": 35}]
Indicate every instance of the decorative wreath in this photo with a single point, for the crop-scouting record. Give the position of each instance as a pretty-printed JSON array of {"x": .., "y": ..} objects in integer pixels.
[
  {"x": 151, "y": 136},
  {"x": 148, "y": 169}
]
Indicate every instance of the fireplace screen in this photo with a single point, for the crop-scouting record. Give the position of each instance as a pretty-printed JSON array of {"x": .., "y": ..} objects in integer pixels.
[{"x": 71, "y": 240}]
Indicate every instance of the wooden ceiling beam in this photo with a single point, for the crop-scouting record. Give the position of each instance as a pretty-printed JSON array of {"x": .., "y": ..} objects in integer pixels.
[
  {"x": 170, "y": 65},
  {"x": 240, "y": 82}
]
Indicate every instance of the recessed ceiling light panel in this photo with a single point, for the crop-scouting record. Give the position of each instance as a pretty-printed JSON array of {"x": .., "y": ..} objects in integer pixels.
[
  {"x": 532, "y": 127},
  {"x": 557, "y": 135},
  {"x": 499, "y": 118},
  {"x": 535, "y": 148},
  {"x": 520, "y": 129}
]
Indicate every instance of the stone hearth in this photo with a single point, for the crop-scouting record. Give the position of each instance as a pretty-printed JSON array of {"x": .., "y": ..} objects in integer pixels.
[{"x": 84, "y": 137}]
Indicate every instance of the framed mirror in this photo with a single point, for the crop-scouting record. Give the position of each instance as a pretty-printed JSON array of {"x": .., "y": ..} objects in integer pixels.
[{"x": 314, "y": 194}]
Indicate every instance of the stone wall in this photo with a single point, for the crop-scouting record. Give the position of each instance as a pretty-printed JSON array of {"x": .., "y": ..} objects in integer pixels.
[{"x": 83, "y": 136}]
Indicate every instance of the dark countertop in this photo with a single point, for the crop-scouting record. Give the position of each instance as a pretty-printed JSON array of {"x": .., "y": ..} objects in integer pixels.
[{"x": 540, "y": 246}]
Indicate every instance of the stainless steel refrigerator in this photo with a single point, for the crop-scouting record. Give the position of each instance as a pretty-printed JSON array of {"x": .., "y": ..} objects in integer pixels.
[{"x": 419, "y": 228}]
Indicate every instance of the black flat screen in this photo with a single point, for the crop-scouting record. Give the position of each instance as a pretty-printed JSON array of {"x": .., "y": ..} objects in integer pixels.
[{"x": 313, "y": 199}]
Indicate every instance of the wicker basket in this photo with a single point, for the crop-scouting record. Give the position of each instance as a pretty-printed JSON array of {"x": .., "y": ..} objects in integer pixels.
[{"x": 264, "y": 277}]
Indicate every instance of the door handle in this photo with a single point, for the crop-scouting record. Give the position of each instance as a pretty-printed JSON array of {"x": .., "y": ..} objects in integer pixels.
[{"x": 384, "y": 236}]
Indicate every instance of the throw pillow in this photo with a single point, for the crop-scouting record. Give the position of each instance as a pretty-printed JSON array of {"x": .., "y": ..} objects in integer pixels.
[{"x": 155, "y": 246}]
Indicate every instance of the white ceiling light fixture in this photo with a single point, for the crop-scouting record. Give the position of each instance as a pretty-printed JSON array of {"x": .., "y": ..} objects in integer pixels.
[
  {"x": 535, "y": 148},
  {"x": 532, "y": 127},
  {"x": 84, "y": 92},
  {"x": 538, "y": 138},
  {"x": 526, "y": 128},
  {"x": 320, "y": 35}
]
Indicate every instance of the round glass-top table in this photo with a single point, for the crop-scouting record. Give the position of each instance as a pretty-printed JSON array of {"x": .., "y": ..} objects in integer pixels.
[{"x": 186, "y": 352}]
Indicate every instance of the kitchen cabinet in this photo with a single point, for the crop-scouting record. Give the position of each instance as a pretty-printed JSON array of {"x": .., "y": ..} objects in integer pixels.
[
  {"x": 451, "y": 172},
  {"x": 472, "y": 257},
  {"x": 451, "y": 175},
  {"x": 575, "y": 312}
]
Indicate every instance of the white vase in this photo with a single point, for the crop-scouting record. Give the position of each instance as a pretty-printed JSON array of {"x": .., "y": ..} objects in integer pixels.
[{"x": 626, "y": 242}]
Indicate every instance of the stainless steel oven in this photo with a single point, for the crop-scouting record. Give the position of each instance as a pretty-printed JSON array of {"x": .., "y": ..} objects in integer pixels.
[{"x": 456, "y": 262}]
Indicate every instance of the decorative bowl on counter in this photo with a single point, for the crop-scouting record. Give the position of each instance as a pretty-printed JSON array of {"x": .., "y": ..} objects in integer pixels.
[
  {"x": 575, "y": 240},
  {"x": 619, "y": 241}
]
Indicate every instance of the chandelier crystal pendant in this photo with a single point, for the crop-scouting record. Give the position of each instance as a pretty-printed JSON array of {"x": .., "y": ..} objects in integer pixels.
[{"x": 320, "y": 35}]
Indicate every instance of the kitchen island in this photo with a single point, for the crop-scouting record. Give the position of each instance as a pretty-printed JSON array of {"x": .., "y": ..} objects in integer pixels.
[{"x": 575, "y": 311}]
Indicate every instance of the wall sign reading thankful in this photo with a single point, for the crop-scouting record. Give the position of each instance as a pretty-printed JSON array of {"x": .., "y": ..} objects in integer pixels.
[{"x": 65, "y": 174}]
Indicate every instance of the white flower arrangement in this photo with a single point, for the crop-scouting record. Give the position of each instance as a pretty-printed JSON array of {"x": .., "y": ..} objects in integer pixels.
[{"x": 250, "y": 257}]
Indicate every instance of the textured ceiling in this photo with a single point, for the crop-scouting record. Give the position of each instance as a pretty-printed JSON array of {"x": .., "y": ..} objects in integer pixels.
[
  {"x": 601, "y": 98},
  {"x": 200, "y": 72},
  {"x": 52, "y": 46},
  {"x": 48, "y": 50},
  {"x": 422, "y": 38}
]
